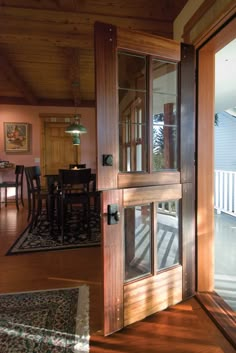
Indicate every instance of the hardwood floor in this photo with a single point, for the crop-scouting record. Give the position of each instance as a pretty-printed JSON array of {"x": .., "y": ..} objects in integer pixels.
[
  {"x": 47, "y": 270},
  {"x": 182, "y": 328}
]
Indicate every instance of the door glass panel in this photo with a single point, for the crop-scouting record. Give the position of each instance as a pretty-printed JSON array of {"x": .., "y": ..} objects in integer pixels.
[
  {"x": 164, "y": 85},
  {"x": 132, "y": 112},
  {"x": 167, "y": 235},
  {"x": 137, "y": 223}
]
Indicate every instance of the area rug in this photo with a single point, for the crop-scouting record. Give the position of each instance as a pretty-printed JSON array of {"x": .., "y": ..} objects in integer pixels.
[
  {"x": 47, "y": 237},
  {"x": 53, "y": 321}
]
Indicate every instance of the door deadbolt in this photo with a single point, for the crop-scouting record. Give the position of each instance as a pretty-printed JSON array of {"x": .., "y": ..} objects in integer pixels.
[{"x": 113, "y": 214}]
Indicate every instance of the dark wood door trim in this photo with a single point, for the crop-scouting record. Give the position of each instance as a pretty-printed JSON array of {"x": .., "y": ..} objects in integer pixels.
[
  {"x": 113, "y": 271},
  {"x": 187, "y": 167}
]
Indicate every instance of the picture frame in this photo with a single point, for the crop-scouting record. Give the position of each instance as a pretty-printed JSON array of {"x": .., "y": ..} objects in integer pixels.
[{"x": 16, "y": 137}]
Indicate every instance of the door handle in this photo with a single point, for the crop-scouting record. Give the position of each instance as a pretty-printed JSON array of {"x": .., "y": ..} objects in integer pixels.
[{"x": 113, "y": 214}]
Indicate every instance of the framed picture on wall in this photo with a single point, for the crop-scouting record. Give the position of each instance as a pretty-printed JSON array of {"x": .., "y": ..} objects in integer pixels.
[{"x": 16, "y": 137}]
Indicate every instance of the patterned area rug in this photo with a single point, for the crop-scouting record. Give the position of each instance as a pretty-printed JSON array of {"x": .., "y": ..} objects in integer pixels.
[
  {"x": 45, "y": 237},
  {"x": 53, "y": 321}
]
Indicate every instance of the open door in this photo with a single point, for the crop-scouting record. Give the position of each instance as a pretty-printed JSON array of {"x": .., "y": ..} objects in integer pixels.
[{"x": 145, "y": 172}]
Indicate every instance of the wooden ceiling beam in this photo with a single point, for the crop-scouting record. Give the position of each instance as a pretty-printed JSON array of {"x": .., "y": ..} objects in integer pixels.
[
  {"x": 10, "y": 73},
  {"x": 48, "y": 102}
]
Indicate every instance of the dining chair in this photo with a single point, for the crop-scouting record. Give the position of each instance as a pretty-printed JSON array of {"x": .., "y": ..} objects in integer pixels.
[
  {"x": 74, "y": 194},
  {"x": 36, "y": 195},
  {"x": 94, "y": 194},
  {"x": 17, "y": 184},
  {"x": 77, "y": 166}
]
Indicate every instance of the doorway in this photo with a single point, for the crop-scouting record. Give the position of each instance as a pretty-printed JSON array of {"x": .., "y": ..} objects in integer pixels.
[
  {"x": 60, "y": 150},
  {"x": 223, "y": 315},
  {"x": 225, "y": 174},
  {"x": 205, "y": 152}
]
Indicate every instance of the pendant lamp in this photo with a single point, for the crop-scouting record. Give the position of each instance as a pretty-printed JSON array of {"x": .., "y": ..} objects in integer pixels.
[
  {"x": 76, "y": 139},
  {"x": 76, "y": 127}
]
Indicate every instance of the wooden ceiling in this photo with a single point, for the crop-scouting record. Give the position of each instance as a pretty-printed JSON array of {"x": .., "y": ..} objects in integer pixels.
[{"x": 47, "y": 49}]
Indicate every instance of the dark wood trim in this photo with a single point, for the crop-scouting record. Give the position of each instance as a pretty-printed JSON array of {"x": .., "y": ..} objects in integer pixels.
[
  {"x": 140, "y": 195},
  {"x": 47, "y": 102},
  {"x": 106, "y": 96},
  {"x": 128, "y": 180},
  {"x": 188, "y": 240},
  {"x": 113, "y": 271},
  {"x": 221, "y": 313},
  {"x": 187, "y": 113},
  {"x": 151, "y": 45},
  {"x": 187, "y": 160}
]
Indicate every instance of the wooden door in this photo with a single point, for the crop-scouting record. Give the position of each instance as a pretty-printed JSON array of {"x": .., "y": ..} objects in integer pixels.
[
  {"x": 145, "y": 153},
  {"x": 60, "y": 150}
]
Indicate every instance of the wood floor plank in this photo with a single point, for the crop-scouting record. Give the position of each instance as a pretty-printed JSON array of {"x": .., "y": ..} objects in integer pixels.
[{"x": 184, "y": 328}]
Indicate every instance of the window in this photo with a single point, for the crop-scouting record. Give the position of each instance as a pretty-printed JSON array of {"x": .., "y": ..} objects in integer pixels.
[
  {"x": 147, "y": 89},
  {"x": 144, "y": 242}
]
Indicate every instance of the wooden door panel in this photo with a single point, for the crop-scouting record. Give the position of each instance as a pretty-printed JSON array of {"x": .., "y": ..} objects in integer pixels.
[
  {"x": 143, "y": 195},
  {"x": 59, "y": 147},
  {"x": 148, "y": 296},
  {"x": 135, "y": 298},
  {"x": 145, "y": 179}
]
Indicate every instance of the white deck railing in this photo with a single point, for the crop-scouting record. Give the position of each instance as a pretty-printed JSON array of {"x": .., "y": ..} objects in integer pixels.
[{"x": 225, "y": 192}]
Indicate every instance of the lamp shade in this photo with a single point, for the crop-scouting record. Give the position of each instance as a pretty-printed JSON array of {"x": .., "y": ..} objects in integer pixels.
[
  {"x": 76, "y": 127},
  {"x": 76, "y": 139}
]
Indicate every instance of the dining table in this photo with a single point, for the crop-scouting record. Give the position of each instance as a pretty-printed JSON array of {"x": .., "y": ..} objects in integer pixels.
[{"x": 54, "y": 194}]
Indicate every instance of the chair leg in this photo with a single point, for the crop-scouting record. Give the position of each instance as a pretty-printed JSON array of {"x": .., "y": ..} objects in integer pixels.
[
  {"x": 21, "y": 197},
  {"x": 17, "y": 199},
  {"x": 5, "y": 197},
  {"x": 29, "y": 207},
  {"x": 33, "y": 212},
  {"x": 62, "y": 213}
]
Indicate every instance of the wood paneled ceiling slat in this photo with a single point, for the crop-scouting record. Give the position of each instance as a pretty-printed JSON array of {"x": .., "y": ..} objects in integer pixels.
[
  {"x": 41, "y": 37},
  {"x": 165, "y": 10},
  {"x": 70, "y": 23}
]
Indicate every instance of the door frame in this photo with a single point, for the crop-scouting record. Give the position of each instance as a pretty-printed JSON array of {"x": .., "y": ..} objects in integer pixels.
[
  {"x": 213, "y": 303},
  {"x": 205, "y": 161}
]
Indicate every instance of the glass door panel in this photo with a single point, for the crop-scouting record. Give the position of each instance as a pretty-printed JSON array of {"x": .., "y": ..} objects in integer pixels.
[
  {"x": 168, "y": 234},
  {"x": 140, "y": 235},
  {"x": 137, "y": 241},
  {"x": 132, "y": 83},
  {"x": 164, "y": 106}
]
